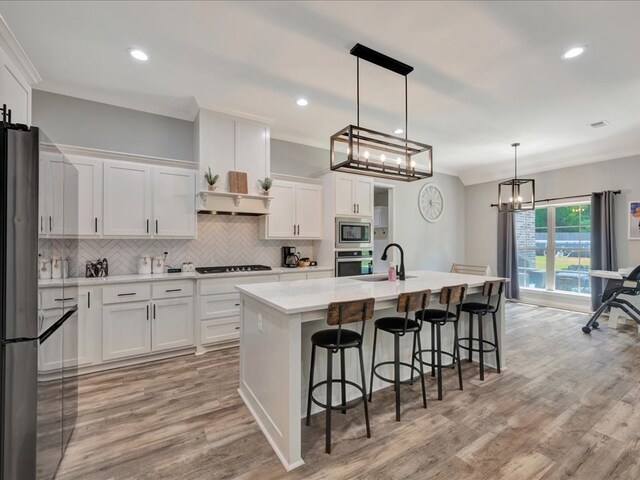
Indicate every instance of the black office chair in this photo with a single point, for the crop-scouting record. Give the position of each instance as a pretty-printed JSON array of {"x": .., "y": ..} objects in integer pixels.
[{"x": 611, "y": 298}]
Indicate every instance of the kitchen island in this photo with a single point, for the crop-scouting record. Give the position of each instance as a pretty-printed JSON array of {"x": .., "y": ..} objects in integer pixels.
[{"x": 277, "y": 321}]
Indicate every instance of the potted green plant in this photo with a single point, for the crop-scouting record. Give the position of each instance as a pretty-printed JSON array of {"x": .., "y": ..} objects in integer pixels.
[
  {"x": 211, "y": 179},
  {"x": 266, "y": 185}
]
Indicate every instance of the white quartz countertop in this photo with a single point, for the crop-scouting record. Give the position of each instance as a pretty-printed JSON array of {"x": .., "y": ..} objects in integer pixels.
[
  {"x": 82, "y": 281},
  {"x": 306, "y": 296}
]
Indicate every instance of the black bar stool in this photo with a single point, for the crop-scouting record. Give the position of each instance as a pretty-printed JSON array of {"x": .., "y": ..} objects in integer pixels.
[
  {"x": 334, "y": 340},
  {"x": 399, "y": 326},
  {"x": 451, "y": 297},
  {"x": 492, "y": 289}
]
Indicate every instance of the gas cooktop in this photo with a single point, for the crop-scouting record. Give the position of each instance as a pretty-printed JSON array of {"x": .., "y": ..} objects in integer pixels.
[{"x": 233, "y": 268}]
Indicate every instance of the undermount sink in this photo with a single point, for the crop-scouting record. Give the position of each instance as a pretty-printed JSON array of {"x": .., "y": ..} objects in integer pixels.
[{"x": 378, "y": 278}]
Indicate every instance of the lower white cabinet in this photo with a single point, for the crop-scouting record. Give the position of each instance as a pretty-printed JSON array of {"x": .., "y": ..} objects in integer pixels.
[
  {"x": 137, "y": 328},
  {"x": 75, "y": 338},
  {"x": 126, "y": 330},
  {"x": 172, "y": 325}
]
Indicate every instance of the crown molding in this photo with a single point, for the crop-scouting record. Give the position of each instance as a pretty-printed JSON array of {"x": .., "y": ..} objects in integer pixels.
[
  {"x": 9, "y": 43},
  {"x": 237, "y": 114},
  {"x": 72, "y": 150}
]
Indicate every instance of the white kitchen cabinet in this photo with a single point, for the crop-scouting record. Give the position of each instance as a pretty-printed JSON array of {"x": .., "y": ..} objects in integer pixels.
[
  {"x": 55, "y": 201},
  {"x": 296, "y": 212},
  {"x": 309, "y": 211},
  {"x": 89, "y": 197},
  {"x": 15, "y": 85},
  {"x": 126, "y": 330},
  {"x": 49, "y": 358},
  {"x": 354, "y": 195},
  {"x": 172, "y": 325},
  {"x": 280, "y": 223},
  {"x": 174, "y": 197},
  {"x": 76, "y": 337},
  {"x": 252, "y": 153},
  {"x": 127, "y": 199}
]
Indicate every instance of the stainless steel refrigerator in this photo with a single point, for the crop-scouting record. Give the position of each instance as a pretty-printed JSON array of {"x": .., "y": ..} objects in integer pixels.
[{"x": 38, "y": 404}]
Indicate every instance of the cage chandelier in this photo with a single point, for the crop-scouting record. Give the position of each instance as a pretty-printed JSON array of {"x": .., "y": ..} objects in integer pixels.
[{"x": 363, "y": 151}]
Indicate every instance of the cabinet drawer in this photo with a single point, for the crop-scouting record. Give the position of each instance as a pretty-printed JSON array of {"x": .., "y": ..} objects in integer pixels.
[
  {"x": 130, "y": 292},
  {"x": 219, "y": 306},
  {"x": 323, "y": 274},
  {"x": 212, "y": 286},
  {"x": 290, "y": 277},
  {"x": 58, "y": 297},
  {"x": 172, "y": 289},
  {"x": 212, "y": 331}
]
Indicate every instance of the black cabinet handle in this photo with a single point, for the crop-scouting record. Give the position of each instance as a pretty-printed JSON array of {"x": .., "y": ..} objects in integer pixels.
[
  {"x": 294, "y": 229},
  {"x": 237, "y": 328},
  {"x": 156, "y": 226},
  {"x": 50, "y": 223},
  {"x": 154, "y": 311},
  {"x": 237, "y": 304},
  {"x": 173, "y": 290},
  {"x": 88, "y": 299},
  {"x": 354, "y": 208},
  {"x": 147, "y": 225},
  {"x": 41, "y": 223},
  {"x": 358, "y": 207},
  {"x": 126, "y": 294},
  {"x": 96, "y": 224},
  {"x": 147, "y": 312},
  {"x": 63, "y": 299}
]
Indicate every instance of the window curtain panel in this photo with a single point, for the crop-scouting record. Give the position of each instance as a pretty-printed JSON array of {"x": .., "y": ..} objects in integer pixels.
[
  {"x": 603, "y": 244},
  {"x": 507, "y": 254}
]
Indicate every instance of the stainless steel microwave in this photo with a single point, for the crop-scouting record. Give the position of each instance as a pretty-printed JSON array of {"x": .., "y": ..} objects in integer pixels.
[{"x": 354, "y": 232}]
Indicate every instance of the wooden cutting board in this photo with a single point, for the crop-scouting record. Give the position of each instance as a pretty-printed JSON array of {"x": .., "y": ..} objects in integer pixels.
[{"x": 238, "y": 182}]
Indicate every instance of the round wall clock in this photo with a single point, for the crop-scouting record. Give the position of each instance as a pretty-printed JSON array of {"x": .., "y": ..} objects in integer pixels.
[{"x": 431, "y": 202}]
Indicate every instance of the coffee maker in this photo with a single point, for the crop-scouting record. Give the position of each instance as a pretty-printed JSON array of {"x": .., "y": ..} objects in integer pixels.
[{"x": 289, "y": 257}]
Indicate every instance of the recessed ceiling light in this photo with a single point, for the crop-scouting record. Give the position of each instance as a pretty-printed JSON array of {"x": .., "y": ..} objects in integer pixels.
[
  {"x": 302, "y": 102},
  {"x": 398, "y": 131},
  {"x": 138, "y": 54},
  {"x": 573, "y": 52}
]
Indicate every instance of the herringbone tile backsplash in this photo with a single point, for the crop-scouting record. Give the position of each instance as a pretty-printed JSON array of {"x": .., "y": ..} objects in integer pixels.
[{"x": 222, "y": 240}]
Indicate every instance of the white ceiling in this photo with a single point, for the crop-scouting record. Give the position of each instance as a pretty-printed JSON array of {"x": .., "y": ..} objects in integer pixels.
[{"x": 486, "y": 73}]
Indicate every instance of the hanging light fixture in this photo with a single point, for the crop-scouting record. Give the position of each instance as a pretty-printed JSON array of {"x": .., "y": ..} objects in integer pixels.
[
  {"x": 516, "y": 194},
  {"x": 359, "y": 150}
]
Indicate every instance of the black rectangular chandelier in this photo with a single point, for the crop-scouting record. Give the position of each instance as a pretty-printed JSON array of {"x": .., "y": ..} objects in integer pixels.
[{"x": 363, "y": 151}]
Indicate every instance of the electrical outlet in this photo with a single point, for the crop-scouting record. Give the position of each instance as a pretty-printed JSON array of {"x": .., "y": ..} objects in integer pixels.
[{"x": 260, "y": 322}]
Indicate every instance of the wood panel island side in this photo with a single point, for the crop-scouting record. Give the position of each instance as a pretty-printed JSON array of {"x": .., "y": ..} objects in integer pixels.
[{"x": 277, "y": 321}]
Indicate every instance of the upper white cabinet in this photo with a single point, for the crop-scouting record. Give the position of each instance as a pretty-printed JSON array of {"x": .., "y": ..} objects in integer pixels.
[
  {"x": 354, "y": 195},
  {"x": 281, "y": 222},
  {"x": 89, "y": 197},
  {"x": 17, "y": 75},
  {"x": 127, "y": 199},
  {"x": 309, "y": 211},
  {"x": 296, "y": 212},
  {"x": 174, "y": 202},
  {"x": 227, "y": 143},
  {"x": 88, "y": 180}
]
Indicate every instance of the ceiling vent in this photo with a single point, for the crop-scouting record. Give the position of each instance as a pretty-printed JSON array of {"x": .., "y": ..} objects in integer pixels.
[{"x": 600, "y": 124}]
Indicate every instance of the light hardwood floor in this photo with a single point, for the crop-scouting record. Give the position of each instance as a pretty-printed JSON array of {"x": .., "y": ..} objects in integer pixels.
[{"x": 567, "y": 407}]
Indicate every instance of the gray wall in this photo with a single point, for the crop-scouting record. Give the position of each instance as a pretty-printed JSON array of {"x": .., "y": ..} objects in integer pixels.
[
  {"x": 431, "y": 246},
  {"x": 622, "y": 174},
  {"x": 297, "y": 159},
  {"x": 83, "y": 123}
]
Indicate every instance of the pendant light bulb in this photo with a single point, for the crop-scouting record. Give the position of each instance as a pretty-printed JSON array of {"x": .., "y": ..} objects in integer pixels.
[
  {"x": 399, "y": 160},
  {"x": 382, "y": 158},
  {"x": 366, "y": 154}
]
